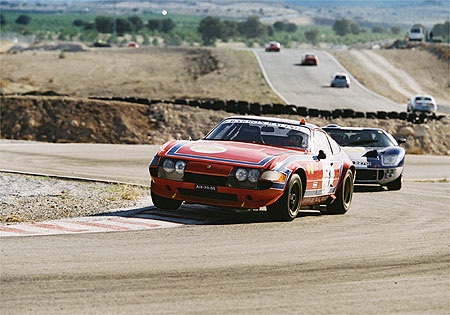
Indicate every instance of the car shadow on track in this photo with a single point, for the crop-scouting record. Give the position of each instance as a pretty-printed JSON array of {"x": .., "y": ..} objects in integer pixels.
[
  {"x": 193, "y": 214},
  {"x": 369, "y": 188}
]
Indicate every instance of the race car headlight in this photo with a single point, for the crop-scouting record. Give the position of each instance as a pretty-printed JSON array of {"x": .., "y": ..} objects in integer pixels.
[
  {"x": 241, "y": 174},
  {"x": 390, "y": 159},
  {"x": 180, "y": 166},
  {"x": 253, "y": 176},
  {"x": 168, "y": 166},
  {"x": 273, "y": 176}
]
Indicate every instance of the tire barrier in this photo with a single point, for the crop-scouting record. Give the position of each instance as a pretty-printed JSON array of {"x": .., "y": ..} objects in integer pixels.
[
  {"x": 267, "y": 109},
  {"x": 245, "y": 108},
  {"x": 255, "y": 109},
  {"x": 231, "y": 106}
]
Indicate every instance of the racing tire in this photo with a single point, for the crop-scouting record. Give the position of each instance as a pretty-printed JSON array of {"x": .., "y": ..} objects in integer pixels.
[
  {"x": 343, "y": 196},
  {"x": 165, "y": 203},
  {"x": 396, "y": 184},
  {"x": 287, "y": 206}
]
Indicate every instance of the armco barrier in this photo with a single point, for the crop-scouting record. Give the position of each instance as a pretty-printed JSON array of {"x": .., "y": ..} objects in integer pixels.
[
  {"x": 255, "y": 109},
  {"x": 231, "y": 106}
]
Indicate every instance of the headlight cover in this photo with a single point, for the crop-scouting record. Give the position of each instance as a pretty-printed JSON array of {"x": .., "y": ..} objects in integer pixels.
[
  {"x": 253, "y": 175},
  {"x": 241, "y": 174},
  {"x": 168, "y": 166},
  {"x": 390, "y": 159},
  {"x": 180, "y": 166},
  {"x": 171, "y": 169}
]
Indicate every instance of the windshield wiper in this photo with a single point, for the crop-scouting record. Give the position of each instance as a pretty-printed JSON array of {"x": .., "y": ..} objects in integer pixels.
[{"x": 362, "y": 142}]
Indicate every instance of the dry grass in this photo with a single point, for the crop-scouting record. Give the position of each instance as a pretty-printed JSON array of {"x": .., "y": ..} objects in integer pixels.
[{"x": 160, "y": 73}]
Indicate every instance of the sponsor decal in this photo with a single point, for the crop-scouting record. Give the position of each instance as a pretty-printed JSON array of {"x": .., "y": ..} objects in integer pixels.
[
  {"x": 310, "y": 168},
  {"x": 208, "y": 149},
  {"x": 361, "y": 163}
]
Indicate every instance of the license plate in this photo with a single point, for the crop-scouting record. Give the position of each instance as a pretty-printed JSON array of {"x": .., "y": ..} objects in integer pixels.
[{"x": 205, "y": 187}]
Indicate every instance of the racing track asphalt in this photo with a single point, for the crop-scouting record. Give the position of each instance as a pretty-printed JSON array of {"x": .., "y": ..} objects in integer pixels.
[
  {"x": 309, "y": 86},
  {"x": 388, "y": 254}
]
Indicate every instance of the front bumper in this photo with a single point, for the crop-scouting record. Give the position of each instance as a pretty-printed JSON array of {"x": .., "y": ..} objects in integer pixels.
[
  {"x": 224, "y": 196},
  {"x": 379, "y": 175}
]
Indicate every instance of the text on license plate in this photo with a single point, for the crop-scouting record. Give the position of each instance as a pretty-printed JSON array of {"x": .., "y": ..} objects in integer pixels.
[{"x": 205, "y": 187}]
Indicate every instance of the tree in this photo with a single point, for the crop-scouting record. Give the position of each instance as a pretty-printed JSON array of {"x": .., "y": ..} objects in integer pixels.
[
  {"x": 280, "y": 26},
  {"x": 442, "y": 30},
  {"x": 167, "y": 25},
  {"x": 2, "y": 20},
  {"x": 23, "y": 19},
  {"x": 395, "y": 30},
  {"x": 378, "y": 29},
  {"x": 291, "y": 27},
  {"x": 123, "y": 26},
  {"x": 78, "y": 22},
  {"x": 211, "y": 29},
  {"x": 104, "y": 24},
  {"x": 230, "y": 29},
  {"x": 312, "y": 36},
  {"x": 154, "y": 25},
  {"x": 136, "y": 22},
  {"x": 354, "y": 28},
  {"x": 341, "y": 27},
  {"x": 252, "y": 28}
]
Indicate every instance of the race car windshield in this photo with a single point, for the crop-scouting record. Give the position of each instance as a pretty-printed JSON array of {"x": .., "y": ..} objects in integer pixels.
[
  {"x": 263, "y": 132},
  {"x": 360, "y": 138}
]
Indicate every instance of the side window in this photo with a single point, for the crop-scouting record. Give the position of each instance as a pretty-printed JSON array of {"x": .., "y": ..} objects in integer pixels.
[
  {"x": 322, "y": 143},
  {"x": 334, "y": 146}
]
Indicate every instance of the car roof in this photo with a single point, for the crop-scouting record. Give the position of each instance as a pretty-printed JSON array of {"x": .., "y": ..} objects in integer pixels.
[
  {"x": 423, "y": 95},
  {"x": 340, "y": 73},
  {"x": 350, "y": 128},
  {"x": 273, "y": 119}
]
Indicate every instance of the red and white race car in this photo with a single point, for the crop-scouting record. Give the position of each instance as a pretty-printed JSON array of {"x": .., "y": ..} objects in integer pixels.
[
  {"x": 251, "y": 162},
  {"x": 310, "y": 59},
  {"x": 273, "y": 46}
]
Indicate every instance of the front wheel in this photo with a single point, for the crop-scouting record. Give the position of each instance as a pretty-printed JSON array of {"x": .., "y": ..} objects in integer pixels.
[
  {"x": 286, "y": 208},
  {"x": 343, "y": 196},
  {"x": 396, "y": 184},
  {"x": 165, "y": 203}
]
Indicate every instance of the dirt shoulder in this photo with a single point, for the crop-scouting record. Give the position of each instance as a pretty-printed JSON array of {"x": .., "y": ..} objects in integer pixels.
[
  {"x": 399, "y": 74},
  {"x": 160, "y": 73}
]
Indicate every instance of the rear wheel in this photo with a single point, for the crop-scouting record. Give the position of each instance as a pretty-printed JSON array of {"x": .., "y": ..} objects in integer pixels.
[
  {"x": 396, "y": 184},
  {"x": 165, "y": 203},
  {"x": 343, "y": 196},
  {"x": 286, "y": 208}
]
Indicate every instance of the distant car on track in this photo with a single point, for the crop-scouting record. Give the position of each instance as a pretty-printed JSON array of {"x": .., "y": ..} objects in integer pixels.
[
  {"x": 375, "y": 153},
  {"x": 273, "y": 46},
  {"x": 251, "y": 162},
  {"x": 133, "y": 45},
  {"x": 421, "y": 103},
  {"x": 340, "y": 80},
  {"x": 310, "y": 59}
]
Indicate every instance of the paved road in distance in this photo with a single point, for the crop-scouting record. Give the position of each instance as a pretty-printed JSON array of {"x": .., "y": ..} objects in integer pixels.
[{"x": 310, "y": 86}]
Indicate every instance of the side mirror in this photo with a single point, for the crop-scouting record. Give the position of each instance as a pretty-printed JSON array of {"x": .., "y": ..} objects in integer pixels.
[
  {"x": 401, "y": 140},
  {"x": 322, "y": 155}
]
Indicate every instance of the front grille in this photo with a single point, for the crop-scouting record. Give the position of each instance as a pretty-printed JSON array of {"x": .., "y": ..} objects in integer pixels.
[
  {"x": 205, "y": 179},
  {"x": 366, "y": 174},
  {"x": 207, "y": 194}
]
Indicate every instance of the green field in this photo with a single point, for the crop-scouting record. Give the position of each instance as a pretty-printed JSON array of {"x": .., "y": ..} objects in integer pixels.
[{"x": 60, "y": 26}]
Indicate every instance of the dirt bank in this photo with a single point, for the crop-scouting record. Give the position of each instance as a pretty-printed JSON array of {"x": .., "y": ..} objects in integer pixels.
[{"x": 56, "y": 119}]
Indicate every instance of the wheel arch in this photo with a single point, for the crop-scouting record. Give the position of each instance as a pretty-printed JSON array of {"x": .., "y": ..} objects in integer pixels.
[{"x": 302, "y": 174}]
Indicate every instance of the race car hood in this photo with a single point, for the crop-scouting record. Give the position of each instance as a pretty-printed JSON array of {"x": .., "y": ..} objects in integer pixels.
[
  {"x": 372, "y": 156},
  {"x": 246, "y": 154}
]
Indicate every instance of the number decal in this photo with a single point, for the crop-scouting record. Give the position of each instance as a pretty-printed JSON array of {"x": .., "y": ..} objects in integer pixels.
[{"x": 327, "y": 177}]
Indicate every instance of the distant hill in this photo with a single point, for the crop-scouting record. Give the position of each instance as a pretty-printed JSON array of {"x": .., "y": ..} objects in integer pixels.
[{"x": 375, "y": 3}]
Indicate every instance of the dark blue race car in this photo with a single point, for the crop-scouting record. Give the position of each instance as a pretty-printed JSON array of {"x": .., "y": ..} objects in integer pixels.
[{"x": 375, "y": 153}]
